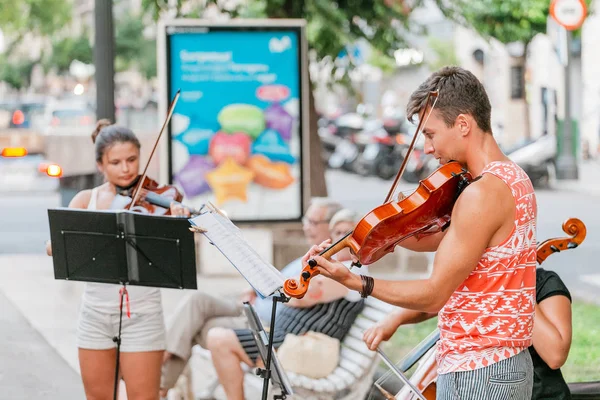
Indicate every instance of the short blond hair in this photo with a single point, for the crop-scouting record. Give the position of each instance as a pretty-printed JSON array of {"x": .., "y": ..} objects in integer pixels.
[
  {"x": 343, "y": 215},
  {"x": 331, "y": 206}
]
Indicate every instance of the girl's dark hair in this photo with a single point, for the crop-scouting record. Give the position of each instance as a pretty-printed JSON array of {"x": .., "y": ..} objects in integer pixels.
[{"x": 106, "y": 134}]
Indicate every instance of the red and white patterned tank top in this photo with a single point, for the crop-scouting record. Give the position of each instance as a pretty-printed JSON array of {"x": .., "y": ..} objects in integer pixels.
[{"x": 489, "y": 317}]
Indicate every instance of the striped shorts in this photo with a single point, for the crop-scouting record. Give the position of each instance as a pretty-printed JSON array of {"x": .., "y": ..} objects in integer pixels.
[{"x": 508, "y": 379}]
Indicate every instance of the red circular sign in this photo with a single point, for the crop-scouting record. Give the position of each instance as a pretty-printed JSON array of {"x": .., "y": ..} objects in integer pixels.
[{"x": 569, "y": 13}]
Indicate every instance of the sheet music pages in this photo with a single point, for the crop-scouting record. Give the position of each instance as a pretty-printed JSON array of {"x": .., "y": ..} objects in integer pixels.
[{"x": 227, "y": 237}]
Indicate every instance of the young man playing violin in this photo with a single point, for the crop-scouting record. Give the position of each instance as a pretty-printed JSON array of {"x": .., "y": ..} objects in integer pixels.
[{"x": 482, "y": 286}]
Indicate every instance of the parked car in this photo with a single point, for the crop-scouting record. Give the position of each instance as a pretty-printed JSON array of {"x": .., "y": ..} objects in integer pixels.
[
  {"x": 538, "y": 158},
  {"x": 23, "y": 165}
]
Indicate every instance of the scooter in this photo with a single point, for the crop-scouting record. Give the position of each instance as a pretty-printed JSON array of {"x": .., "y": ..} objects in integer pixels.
[{"x": 377, "y": 145}]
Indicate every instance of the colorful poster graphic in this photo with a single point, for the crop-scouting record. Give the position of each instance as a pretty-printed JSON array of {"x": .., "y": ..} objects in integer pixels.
[{"x": 236, "y": 129}]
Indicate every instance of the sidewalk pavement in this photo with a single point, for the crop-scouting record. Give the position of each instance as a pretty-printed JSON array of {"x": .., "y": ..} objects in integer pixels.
[
  {"x": 39, "y": 321},
  {"x": 30, "y": 367},
  {"x": 588, "y": 182}
]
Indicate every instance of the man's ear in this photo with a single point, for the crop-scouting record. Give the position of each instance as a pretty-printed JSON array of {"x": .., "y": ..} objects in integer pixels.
[{"x": 464, "y": 123}]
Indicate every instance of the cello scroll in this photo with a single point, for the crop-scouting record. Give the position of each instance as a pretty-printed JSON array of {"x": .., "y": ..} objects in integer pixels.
[{"x": 573, "y": 227}]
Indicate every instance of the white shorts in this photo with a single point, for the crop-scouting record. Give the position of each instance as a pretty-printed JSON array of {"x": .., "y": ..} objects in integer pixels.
[{"x": 141, "y": 332}]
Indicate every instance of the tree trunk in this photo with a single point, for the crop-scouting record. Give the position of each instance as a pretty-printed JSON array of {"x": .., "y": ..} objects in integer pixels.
[{"x": 318, "y": 185}]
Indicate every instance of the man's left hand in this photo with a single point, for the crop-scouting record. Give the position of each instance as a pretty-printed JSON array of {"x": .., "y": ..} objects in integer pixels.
[{"x": 334, "y": 270}]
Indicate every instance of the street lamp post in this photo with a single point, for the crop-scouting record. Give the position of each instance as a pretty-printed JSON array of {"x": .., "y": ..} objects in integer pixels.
[
  {"x": 104, "y": 56},
  {"x": 570, "y": 14},
  {"x": 566, "y": 163}
]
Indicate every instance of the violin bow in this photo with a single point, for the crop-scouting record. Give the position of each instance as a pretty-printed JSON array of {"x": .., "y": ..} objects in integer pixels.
[
  {"x": 422, "y": 122},
  {"x": 138, "y": 187},
  {"x": 399, "y": 374}
]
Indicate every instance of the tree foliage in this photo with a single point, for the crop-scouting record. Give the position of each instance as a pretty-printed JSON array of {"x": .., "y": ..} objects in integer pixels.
[
  {"x": 505, "y": 20},
  {"x": 67, "y": 49},
  {"x": 132, "y": 48},
  {"x": 445, "y": 52},
  {"x": 16, "y": 74},
  {"x": 331, "y": 24},
  {"x": 40, "y": 17}
]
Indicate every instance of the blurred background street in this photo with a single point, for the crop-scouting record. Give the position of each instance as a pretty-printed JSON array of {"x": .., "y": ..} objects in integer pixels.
[{"x": 340, "y": 130}]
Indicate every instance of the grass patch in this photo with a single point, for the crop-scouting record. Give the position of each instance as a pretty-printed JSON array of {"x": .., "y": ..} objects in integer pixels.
[{"x": 583, "y": 364}]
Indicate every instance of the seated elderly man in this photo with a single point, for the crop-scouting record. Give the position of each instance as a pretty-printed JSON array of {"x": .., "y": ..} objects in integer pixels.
[
  {"x": 200, "y": 312},
  {"x": 328, "y": 307}
]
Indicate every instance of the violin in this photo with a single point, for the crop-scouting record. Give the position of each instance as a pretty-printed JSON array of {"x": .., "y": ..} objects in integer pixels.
[
  {"x": 426, "y": 211},
  {"x": 425, "y": 376},
  {"x": 157, "y": 199}
]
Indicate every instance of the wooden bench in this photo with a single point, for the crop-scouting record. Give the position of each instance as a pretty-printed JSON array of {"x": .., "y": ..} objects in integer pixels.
[{"x": 352, "y": 379}]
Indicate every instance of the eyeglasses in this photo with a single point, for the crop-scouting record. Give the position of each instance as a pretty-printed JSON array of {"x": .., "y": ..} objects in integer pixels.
[{"x": 312, "y": 222}]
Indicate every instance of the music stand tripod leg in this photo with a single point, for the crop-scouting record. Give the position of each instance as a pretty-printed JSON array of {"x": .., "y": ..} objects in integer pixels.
[
  {"x": 117, "y": 340},
  {"x": 266, "y": 373}
]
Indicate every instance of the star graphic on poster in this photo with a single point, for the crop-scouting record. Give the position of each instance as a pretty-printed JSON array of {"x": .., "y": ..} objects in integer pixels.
[
  {"x": 274, "y": 175},
  {"x": 230, "y": 181}
]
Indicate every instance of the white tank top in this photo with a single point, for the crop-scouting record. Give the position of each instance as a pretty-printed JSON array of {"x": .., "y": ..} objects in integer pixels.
[{"x": 105, "y": 297}]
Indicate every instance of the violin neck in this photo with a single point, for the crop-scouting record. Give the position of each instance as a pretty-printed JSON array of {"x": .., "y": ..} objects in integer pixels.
[{"x": 336, "y": 247}]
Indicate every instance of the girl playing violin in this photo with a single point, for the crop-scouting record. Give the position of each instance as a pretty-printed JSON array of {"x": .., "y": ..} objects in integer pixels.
[{"x": 143, "y": 334}]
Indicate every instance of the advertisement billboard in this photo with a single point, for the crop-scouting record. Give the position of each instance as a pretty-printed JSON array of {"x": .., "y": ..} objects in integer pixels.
[{"x": 236, "y": 135}]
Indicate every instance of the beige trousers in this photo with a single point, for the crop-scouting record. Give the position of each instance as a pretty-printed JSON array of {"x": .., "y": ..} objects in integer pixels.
[{"x": 189, "y": 325}]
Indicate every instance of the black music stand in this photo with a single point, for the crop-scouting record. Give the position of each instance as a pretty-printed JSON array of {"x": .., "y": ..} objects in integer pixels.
[
  {"x": 272, "y": 371},
  {"x": 122, "y": 247}
]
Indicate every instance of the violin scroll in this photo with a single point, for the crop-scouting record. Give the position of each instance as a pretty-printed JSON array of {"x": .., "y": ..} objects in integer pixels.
[
  {"x": 298, "y": 288},
  {"x": 573, "y": 227}
]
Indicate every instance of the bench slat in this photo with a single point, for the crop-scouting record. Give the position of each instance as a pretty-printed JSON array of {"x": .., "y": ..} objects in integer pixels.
[
  {"x": 354, "y": 369},
  {"x": 356, "y": 357},
  {"x": 373, "y": 314},
  {"x": 359, "y": 346}
]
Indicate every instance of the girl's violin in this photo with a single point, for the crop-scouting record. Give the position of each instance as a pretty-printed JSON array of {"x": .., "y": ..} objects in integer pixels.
[
  {"x": 426, "y": 211},
  {"x": 154, "y": 198}
]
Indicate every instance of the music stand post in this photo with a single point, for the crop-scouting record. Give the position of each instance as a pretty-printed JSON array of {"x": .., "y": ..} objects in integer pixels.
[
  {"x": 123, "y": 248},
  {"x": 117, "y": 340},
  {"x": 264, "y": 278},
  {"x": 266, "y": 372}
]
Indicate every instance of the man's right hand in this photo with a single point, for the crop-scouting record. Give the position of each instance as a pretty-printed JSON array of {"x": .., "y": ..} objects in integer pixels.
[{"x": 381, "y": 331}]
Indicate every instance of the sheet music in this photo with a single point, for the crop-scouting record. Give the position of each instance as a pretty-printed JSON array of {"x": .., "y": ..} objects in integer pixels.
[{"x": 227, "y": 237}]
